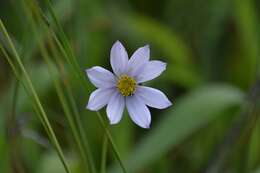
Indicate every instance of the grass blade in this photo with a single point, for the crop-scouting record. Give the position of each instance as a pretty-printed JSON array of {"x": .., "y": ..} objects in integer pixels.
[
  {"x": 40, "y": 108},
  {"x": 59, "y": 90},
  {"x": 79, "y": 75}
]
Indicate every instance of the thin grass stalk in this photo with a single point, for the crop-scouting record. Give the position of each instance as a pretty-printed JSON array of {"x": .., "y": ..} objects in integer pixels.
[
  {"x": 101, "y": 119},
  {"x": 19, "y": 78},
  {"x": 27, "y": 90},
  {"x": 65, "y": 43},
  {"x": 68, "y": 54},
  {"x": 38, "y": 104},
  {"x": 61, "y": 96},
  {"x": 13, "y": 150},
  {"x": 104, "y": 155},
  {"x": 67, "y": 112},
  {"x": 74, "y": 106},
  {"x": 65, "y": 107}
]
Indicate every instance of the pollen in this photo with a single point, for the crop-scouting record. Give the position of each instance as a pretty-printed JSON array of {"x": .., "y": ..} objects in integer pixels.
[{"x": 126, "y": 85}]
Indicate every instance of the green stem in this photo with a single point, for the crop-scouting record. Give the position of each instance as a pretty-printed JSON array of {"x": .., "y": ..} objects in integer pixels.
[
  {"x": 101, "y": 121},
  {"x": 79, "y": 75},
  {"x": 42, "y": 112},
  {"x": 107, "y": 132},
  {"x": 59, "y": 91},
  {"x": 81, "y": 129},
  {"x": 104, "y": 155},
  {"x": 75, "y": 111}
]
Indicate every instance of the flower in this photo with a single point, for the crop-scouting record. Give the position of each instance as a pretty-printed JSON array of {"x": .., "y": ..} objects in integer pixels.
[{"x": 124, "y": 87}]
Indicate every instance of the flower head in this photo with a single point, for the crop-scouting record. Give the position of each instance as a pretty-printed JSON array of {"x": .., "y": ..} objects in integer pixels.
[{"x": 123, "y": 87}]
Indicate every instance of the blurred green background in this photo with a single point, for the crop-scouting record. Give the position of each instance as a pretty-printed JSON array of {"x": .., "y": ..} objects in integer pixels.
[{"x": 212, "y": 51}]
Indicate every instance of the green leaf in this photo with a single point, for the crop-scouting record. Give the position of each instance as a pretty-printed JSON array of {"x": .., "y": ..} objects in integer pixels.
[{"x": 189, "y": 114}]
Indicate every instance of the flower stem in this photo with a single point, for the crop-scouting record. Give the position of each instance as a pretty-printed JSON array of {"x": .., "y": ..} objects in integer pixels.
[
  {"x": 104, "y": 155},
  {"x": 110, "y": 138}
]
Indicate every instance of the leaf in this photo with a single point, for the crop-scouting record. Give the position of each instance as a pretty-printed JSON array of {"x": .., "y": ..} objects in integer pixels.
[{"x": 190, "y": 113}]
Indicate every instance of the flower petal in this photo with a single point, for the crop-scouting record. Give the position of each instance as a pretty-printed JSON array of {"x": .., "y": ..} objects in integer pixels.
[
  {"x": 99, "y": 98},
  {"x": 151, "y": 70},
  {"x": 115, "y": 108},
  {"x": 136, "y": 63},
  {"x": 153, "y": 97},
  {"x": 118, "y": 58},
  {"x": 101, "y": 77},
  {"x": 138, "y": 111}
]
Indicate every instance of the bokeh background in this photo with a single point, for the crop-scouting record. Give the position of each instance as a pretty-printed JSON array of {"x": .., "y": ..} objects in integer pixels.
[{"x": 212, "y": 51}]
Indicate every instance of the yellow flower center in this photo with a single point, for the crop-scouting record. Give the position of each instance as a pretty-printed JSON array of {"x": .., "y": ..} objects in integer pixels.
[{"x": 126, "y": 85}]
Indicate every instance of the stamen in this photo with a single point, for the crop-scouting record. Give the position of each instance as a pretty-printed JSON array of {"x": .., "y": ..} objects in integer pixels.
[{"x": 126, "y": 85}]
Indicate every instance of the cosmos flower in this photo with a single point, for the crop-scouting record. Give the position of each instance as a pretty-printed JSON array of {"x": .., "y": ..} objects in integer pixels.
[{"x": 123, "y": 88}]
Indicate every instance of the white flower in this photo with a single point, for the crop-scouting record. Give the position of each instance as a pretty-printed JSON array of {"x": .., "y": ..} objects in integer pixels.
[{"x": 123, "y": 88}]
